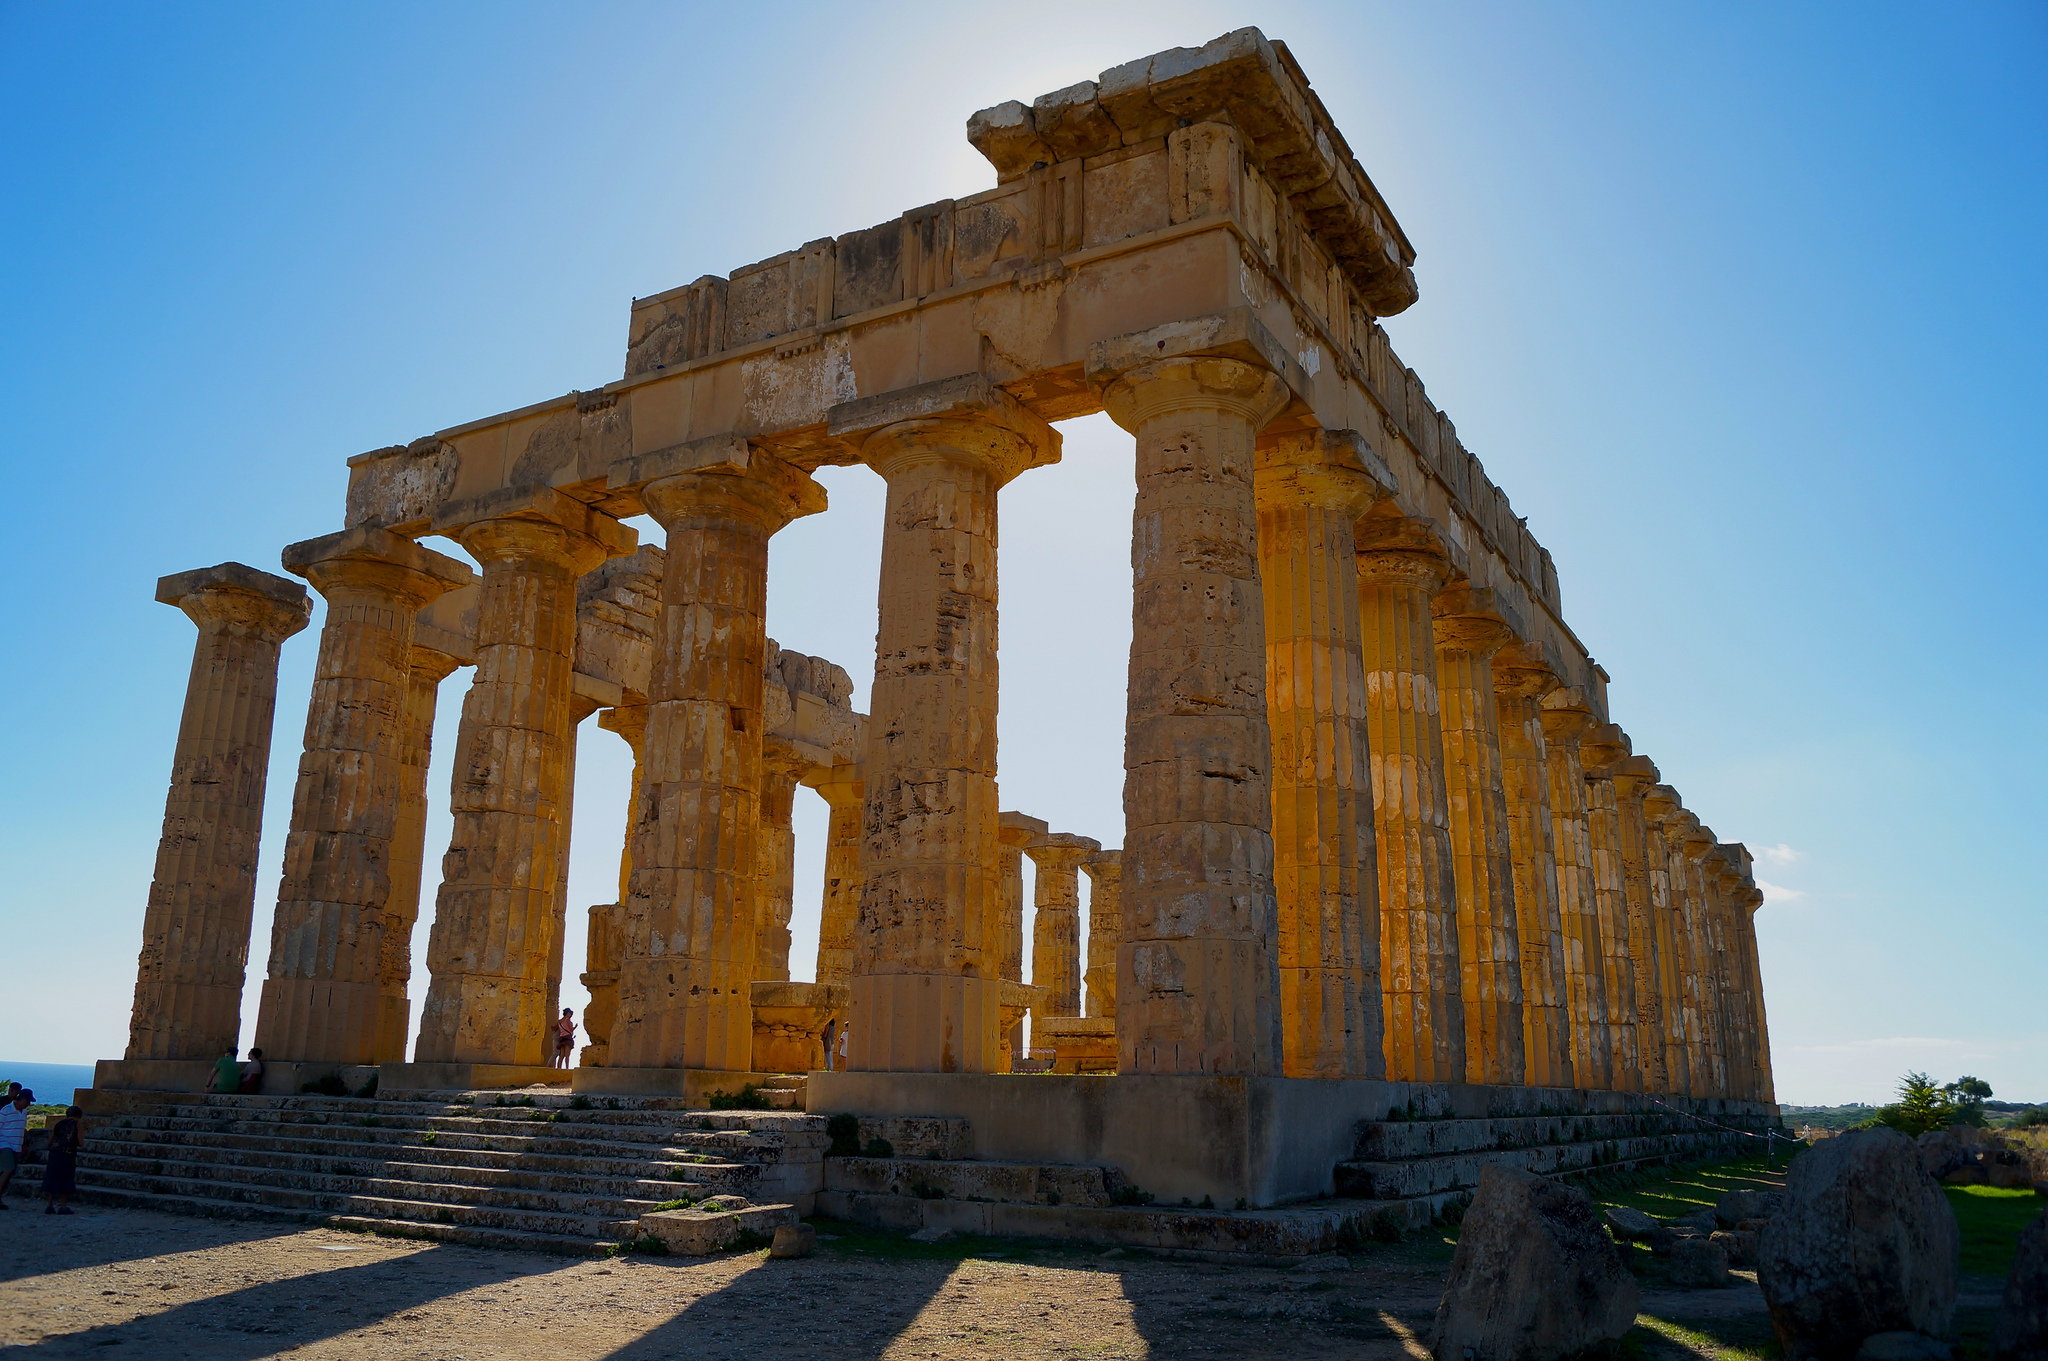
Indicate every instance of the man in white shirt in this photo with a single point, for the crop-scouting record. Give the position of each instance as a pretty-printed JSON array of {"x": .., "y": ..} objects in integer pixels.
[{"x": 13, "y": 1129}]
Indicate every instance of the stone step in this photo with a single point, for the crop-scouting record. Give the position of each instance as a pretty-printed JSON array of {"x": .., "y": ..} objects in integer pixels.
[
  {"x": 966, "y": 1179},
  {"x": 627, "y": 1159},
  {"x": 1405, "y": 1179},
  {"x": 1388, "y": 1140},
  {"x": 630, "y": 1127},
  {"x": 652, "y": 1143}
]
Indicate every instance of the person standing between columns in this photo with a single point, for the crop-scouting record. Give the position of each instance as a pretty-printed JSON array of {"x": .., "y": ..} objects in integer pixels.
[
  {"x": 845, "y": 794},
  {"x": 498, "y": 918},
  {"x": 1056, "y": 923},
  {"x": 686, "y": 966},
  {"x": 1471, "y": 625},
  {"x": 1522, "y": 675},
  {"x": 1601, "y": 749},
  {"x": 1311, "y": 490},
  {"x": 1402, "y": 563},
  {"x": 1105, "y": 872},
  {"x": 926, "y": 991},
  {"x": 323, "y": 1000},
  {"x": 195, "y": 931},
  {"x": 1566, "y": 718},
  {"x": 1198, "y": 977}
]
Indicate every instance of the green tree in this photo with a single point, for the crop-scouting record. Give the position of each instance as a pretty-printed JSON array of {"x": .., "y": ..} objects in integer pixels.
[
  {"x": 1968, "y": 1095},
  {"x": 1922, "y": 1106}
]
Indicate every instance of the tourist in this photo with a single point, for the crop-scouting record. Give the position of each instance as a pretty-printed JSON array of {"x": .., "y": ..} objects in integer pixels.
[
  {"x": 227, "y": 1074},
  {"x": 60, "y": 1172},
  {"x": 252, "y": 1073},
  {"x": 565, "y": 1038},
  {"x": 842, "y": 1046},
  {"x": 13, "y": 1129},
  {"x": 831, "y": 1032}
]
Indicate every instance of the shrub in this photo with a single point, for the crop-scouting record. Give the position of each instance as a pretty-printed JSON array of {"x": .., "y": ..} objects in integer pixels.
[
  {"x": 675, "y": 1205},
  {"x": 1129, "y": 1195},
  {"x": 748, "y": 1098},
  {"x": 1387, "y": 1226},
  {"x": 1922, "y": 1106},
  {"x": 430, "y": 1136},
  {"x": 845, "y": 1134},
  {"x": 878, "y": 1147},
  {"x": 579, "y": 1103},
  {"x": 329, "y": 1085}
]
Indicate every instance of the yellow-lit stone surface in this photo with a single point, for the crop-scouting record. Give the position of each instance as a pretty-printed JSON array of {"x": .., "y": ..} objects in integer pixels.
[
  {"x": 1522, "y": 675},
  {"x": 322, "y": 1001},
  {"x": 1311, "y": 488},
  {"x": 195, "y": 930},
  {"x": 1566, "y": 719},
  {"x": 1056, "y": 923},
  {"x": 602, "y": 945},
  {"x": 686, "y": 966},
  {"x": 1648, "y": 940},
  {"x": 790, "y": 1021},
  {"x": 1602, "y": 749},
  {"x": 1015, "y": 1000},
  {"x": 1105, "y": 870},
  {"x": 781, "y": 768},
  {"x": 845, "y": 794},
  {"x": 1710, "y": 1067},
  {"x": 1197, "y": 972},
  {"x": 1470, "y": 628},
  {"x": 497, "y": 919},
  {"x": 1673, "y": 958},
  {"x": 1013, "y": 832},
  {"x": 430, "y": 667},
  {"x": 1401, "y": 565},
  {"x": 926, "y": 961}
]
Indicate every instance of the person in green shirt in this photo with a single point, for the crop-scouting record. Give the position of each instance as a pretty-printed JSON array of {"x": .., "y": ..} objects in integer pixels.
[{"x": 227, "y": 1074}]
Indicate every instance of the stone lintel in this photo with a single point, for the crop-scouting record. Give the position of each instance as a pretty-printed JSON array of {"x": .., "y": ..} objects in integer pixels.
[
  {"x": 603, "y": 693},
  {"x": 1060, "y": 841},
  {"x": 399, "y": 487},
  {"x": 783, "y": 993},
  {"x": 1231, "y": 334},
  {"x": 969, "y": 395},
  {"x": 1017, "y": 829},
  {"x": 728, "y": 453},
  {"x": 233, "y": 576},
  {"x": 541, "y": 504},
  {"x": 381, "y": 545}
]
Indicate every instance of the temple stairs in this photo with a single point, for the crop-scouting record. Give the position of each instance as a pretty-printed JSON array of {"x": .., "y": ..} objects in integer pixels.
[{"x": 529, "y": 1169}]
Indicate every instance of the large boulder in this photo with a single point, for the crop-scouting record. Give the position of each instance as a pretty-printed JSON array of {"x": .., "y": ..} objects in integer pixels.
[
  {"x": 1700, "y": 1264},
  {"x": 1943, "y": 1151},
  {"x": 1865, "y": 1243},
  {"x": 1535, "y": 1278},
  {"x": 1736, "y": 1206},
  {"x": 2022, "y": 1330}
]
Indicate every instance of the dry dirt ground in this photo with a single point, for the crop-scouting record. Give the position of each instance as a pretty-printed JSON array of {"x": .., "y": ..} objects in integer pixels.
[{"x": 133, "y": 1283}]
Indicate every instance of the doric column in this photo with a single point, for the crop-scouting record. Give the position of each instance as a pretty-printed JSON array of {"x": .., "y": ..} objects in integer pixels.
[
  {"x": 1014, "y": 831},
  {"x": 1686, "y": 845},
  {"x": 925, "y": 991},
  {"x": 1401, "y": 565},
  {"x": 430, "y": 666},
  {"x": 195, "y": 930},
  {"x": 686, "y": 966},
  {"x": 581, "y": 706},
  {"x": 1631, "y": 778},
  {"x": 1105, "y": 929},
  {"x": 601, "y": 977},
  {"x": 1522, "y": 675},
  {"x": 1470, "y": 627},
  {"x": 1600, "y": 750},
  {"x": 498, "y": 917},
  {"x": 1728, "y": 863},
  {"x": 1565, "y": 720},
  {"x": 1748, "y": 900},
  {"x": 1722, "y": 1041},
  {"x": 782, "y": 768},
  {"x": 1056, "y": 924},
  {"x": 1660, "y": 807},
  {"x": 323, "y": 1001},
  {"x": 1311, "y": 488},
  {"x": 1197, "y": 973},
  {"x": 629, "y": 721},
  {"x": 845, "y": 794}
]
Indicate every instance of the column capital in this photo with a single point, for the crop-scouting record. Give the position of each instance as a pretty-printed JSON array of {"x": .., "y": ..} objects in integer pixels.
[
  {"x": 1749, "y": 898},
  {"x": 1104, "y": 867},
  {"x": 962, "y": 419},
  {"x": 238, "y": 599},
  {"x": 1473, "y": 619},
  {"x": 1060, "y": 850},
  {"x": 782, "y": 756},
  {"x": 1661, "y": 804},
  {"x": 1228, "y": 360},
  {"x": 1527, "y": 669},
  {"x": 1630, "y": 776},
  {"x": 1604, "y": 746},
  {"x": 1333, "y": 470},
  {"x": 1566, "y": 715},
  {"x": 535, "y": 523},
  {"x": 367, "y": 558},
  {"x": 1403, "y": 550},
  {"x": 842, "y": 786},
  {"x": 1017, "y": 829},
  {"x": 434, "y": 664}
]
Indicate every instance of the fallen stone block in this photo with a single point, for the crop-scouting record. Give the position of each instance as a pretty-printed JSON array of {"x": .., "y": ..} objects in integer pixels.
[
  {"x": 1739, "y": 1244},
  {"x": 699, "y": 1232},
  {"x": 794, "y": 1240},
  {"x": 934, "y": 1234},
  {"x": 1737, "y": 1206},
  {"x": 1535, "y": 1277},
  {"x": 1700, "y": 1264}
]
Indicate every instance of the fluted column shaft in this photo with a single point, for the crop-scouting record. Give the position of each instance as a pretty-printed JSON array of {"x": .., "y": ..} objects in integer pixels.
[
  {"x": 323, "y": 999},
  {"x": 580, "y": 708},
  {"x": 629, "y": 721},
  {"x": 1746, "y": 905},
  {"x": 1546, "y": 1028},
  {"x": 1599, "y": 752},
  {"x": 1400, "y": 567},
  {"x": 688, "y": 927},
  {"x": 1197, "y": 972},
  {"x": 493, "y": 952},
  {"x": 1647, "y": 943},
  {"x": 1735, "y": 981},
  {"x": 1056, "y": 924},
  {"x": 1666, "y": 913},
  {"x": 1681, "y": 828},
  {"x": 1468, "y": 633},
  {"x": 845, "y": 795},
  {"x": 1311, "y": 489},
  {"x": 408, "y": 847},
  {"x": 195, "y": 930},
  {"x": 780, "y": 774},
  {"x": 1105, "y": 929},
  {"x": 1565, "y": 721}
]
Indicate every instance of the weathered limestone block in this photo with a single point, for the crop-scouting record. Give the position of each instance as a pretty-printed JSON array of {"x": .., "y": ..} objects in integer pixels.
[
  {"x": 1013, "y": 832},
  {"x": 601, "y": 964},
  {"x": 1535, "y": 1277},
  {"x": 1015, "y": 1000},
  {"x": 687, "y": 965},
  {"x": 1078, "y": 1044},
  {"x": 1865, "y": 1243},
  {"x": 323, "y": 1001},
  {"x": 845, "y": 793},
  {"x": 790, "y": 1021},
  {"x": 1750, "y": 900},
  {"x": 629, "y": 721},
  {"x": 430, "y": 666},
  {"x": 701, "y": 1232},
  {"x": 1522, "y": 676},
  {"x": 1197, "y": 972},
  {"x": 1056, "y": 927},
  {"x": 1647, "y": 946},
  {"x": 1726, "y": 866},
  {"x": 195, "y": 931},
  {"x": 1600, "y": 750},
  {"x": 494, "y": 948},
  {"x": 1471, "y": 625},
  {"x": 2021, "y": 1333},
  {"x": 1105, "y": 870},
  {"x": 1674, "y": 956},
  {"x": 1311, "y": 488},
  {"x": 926, "y": 958},
  {"x": 1689, "y": 843},
  {"x": 1566, "y": 718},
  {"x": 782, "y": 766},
  {"x": 1401, "y": 565}
]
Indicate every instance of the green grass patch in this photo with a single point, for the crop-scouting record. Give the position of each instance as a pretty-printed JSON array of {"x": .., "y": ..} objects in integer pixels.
[
  {"x": 1674, "y": 1192},
  {"x": 1991, "y": 1218},
  {"x": 1741, "y": 1337}
]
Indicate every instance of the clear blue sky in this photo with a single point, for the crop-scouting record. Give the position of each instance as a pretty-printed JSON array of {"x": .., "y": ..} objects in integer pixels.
[{"x": 1742, "y": 304}]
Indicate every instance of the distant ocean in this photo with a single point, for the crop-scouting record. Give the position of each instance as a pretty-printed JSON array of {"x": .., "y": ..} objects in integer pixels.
[{"x": 52, "y": 1083}]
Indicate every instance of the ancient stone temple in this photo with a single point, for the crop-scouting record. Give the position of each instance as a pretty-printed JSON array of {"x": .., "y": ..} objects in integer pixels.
[{"x": 1386, "y": 847}]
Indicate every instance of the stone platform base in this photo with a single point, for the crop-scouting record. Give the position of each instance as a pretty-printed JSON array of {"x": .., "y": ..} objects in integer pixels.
[
  {"x": 693, "y": 1084},
  {"x": 467, "y": 1077},
  {"x": 1078, "y": 1044},
  {"x": 280, "y": 1078}
]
